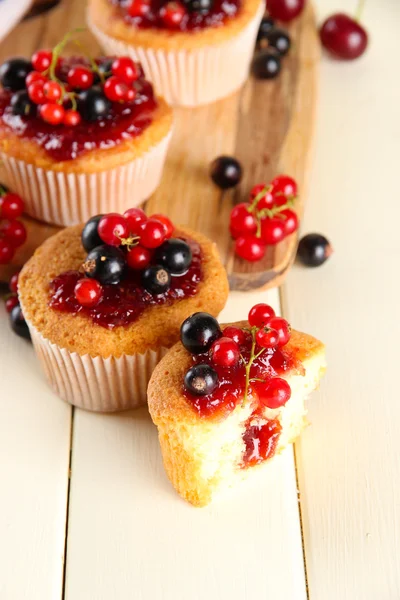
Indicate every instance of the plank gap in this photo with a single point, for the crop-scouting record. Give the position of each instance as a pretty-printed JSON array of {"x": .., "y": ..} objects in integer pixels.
[{"x": 71, "y": 437}]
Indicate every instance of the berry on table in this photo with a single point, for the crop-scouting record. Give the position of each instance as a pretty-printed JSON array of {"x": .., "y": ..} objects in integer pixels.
[
  {"x": 93, "y": 105},
  {"x": 267, "y": 24},
  {"x": 266, "y": 64},
  {"x": 139, "y": 8},
  {"x": 282, "y": 327},
  {"x": 169, "y": 226},
  {"x": 11, "y": 206},
  {"x": 172, "y": 14},
  {"x": 22, "y": 105},
  {"x": 18, "y": 323},
  {"x": 199, "y": 332},
  {"x": 80, "y": 77},
  {"x": 125, "y": 69},
  {"x": 272, "y": 230},
  {"x": 236, "y": 334},
  {"x": 152, "y": 234},
  {"x": 13, "y": 284},
  {"x": 273, "y": 393},
  {"x": 343, "y": 36},
  {"x": 250, "y": 248},
  {"x": 242, "y": 222},
  {"x": 52, "y": 113},
  {"x": 201, "y": 380},
  {"x": 284, "y": 185},
  {"x": 11, "y": 302},
  {"x": 285, "y": 10},
  {"x": 225, "y": 352},
  {"x": 280, "y": 40},
  {"x": 90, "y": 234},
  {"x": 260, "y": 314},
  {"x": 13, "y": 73},
  {"x": 175, "y": 255},
  {"x": 156, "y": 279},
  {"x": 112, "y": 228},
  {"x": 138, "y": 257},
  {"x": 135, "y": 217},
  {"x": 266, "y": 337},
  {"x": 41, "y": 60},
  {"x": 107, "y": 264},
  {"x": 88, "y": 292},
  {"x": 313, "y": 250},
  {"x": 226, "y": 172}
]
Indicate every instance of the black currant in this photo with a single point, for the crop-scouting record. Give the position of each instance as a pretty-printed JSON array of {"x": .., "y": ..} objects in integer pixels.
[
  {"x": 18, "y": 323},
  {"x": 313, "y": 250},
  {"x": 22, "y": 105},
  {"x": 280, "y": 40},
  {"x": 13, "y": 73},
  {"x": 156, "y": 279},
  {"x": 107, "y": 264},
  {"x": 90, "y": 236},
  {"x": 266, "y": 25},
  {"x": 226, "y": 172},
  {"x": 201, "y": 380},
  {"x": 174, "y": 254},
  {"x": 199, "y": 6},
  {"x": 104, "y": 67},
  {"x": 199, "y": 332},
  {"x": 93, "y": 105},
  {"x": 266, "y": 64}
]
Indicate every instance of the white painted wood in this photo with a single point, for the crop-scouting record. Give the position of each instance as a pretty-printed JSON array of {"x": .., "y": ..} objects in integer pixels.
[
  {"x": 34, "y": 459},
  {"x": 131, "y": 536},
  {"x": 349, "y": 462}
]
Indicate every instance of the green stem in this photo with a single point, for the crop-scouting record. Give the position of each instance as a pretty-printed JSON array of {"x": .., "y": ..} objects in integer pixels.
[
  {"x": 93, "y": 63},
  {"x": 359, "y": 10},
  {"x": 247, "y": 366},
  {"x": 258, "y": 198}
]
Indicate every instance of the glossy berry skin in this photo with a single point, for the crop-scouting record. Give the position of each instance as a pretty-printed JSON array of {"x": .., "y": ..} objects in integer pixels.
[
  {"x": 14, "y": 232},
  {"x": 242, "y": 222},
  {"x": 285, "y": 10},
  {"x": 114, "y": 89},
  {"x": 71, "y": 118},
  {"x": 235, "y": 334},
  {"x": 272, "y": 230},
  {"x": 199, "y": 332},
  {"x": 135, "y": 217},
  {"x": 225, "y": 352},
  {"x": 152, "y": 234},
  {"x": 343, "y": 37},
  {"x": 93, "y": 105},
  {"x": 125, "y": 69},
  {"x": 52, "y": 91},
  {"x": 90, "y": 234},
  {"x": 273, "y": 393},
  {"x": 13, "y": 73},
  {"x": 11, "y": 302},
  {"x": 169, "y": 226},
  {"x": 266, "y": 26},
  {"x": 139, "y": 8},
  {"x": 266, "y": 64},
  {"x": 138, "y": 258},
  {"x": 260, "y": 314},
  {"x": 175, "y": 255},
  {"x": 156, "y": 279},
  {"x": 34, "y": 76},
  {"x": 280, "y": 40},
  {"x": 284, "y": 185},
  {"x": 113, "y": 228},
  {"x": 313, "y": 250},
  {"x": 226, "y": 172},
  {"x": 267, "y": 337},
  {"x": 41, "y": 60},
  {"x": 13, "y": 283},
  {"x": 6, "y": 252},
  {"x": 80, "y": 78},
  {"x": 172, "y": 14},
  {"x": 291, "y": 222},
  {"x": 107, "y": 264},
  {"x": 266, "y": 200},
  {"x": 88, "y": 292},
  {"x": 22, "y": 105},
  {"x": 201, "y": 380},
  {"x": 199, "y": 6},
  {"x": 282, "y": 327},
  {"x": 36, "y": 93},
  {"x": 11, "y": 206},
  {"x": 250, "y": 248},
  {"x": 18, "y": 323},
  {"x": 52, "y": 113}
]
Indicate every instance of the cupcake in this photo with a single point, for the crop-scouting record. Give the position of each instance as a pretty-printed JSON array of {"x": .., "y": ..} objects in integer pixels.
[
  {"x": 79, "y": 136},
  {"x": 104, "y": 301},
  {"x": 194, "y": 51},
  {"x": 227, "y": 399}
]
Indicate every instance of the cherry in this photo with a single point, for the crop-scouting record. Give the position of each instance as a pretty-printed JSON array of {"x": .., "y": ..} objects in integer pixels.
[
  {"x": 283, "y": 184},
  {"x": 6, "y": 252},
  {"x": 236, "y": 334},
  {"x": 114, "y": 89},
  {"x": 152, "y": 233},
  {"x": 88, "y": 292},
  {"x": 343, "y": 37},
  {"x": 291, "y": 223},
  {"x": 72, "y": 118},
  {"x": 41, "y": 60},
  {"x": 226, "y": 172},
  {"x": 52, "y": 113},
  {"x": 138, "y": 257},
  {"x": 125, "y": 69},
  {"x": 13, "y": 284},
  {"x": 250, "y": 248},
  {"x": 112, "y": 228},
  {"x": 260, "y": 314},
  {"x": 34, "y": 76},
  {"x": 52, "y": 91},
  {"x": 172, "y": 14},
  {"x": 169, "y": 226},
  {"x": 135, "y": 217},
  {"x": 11, "y": 302},
  {"x": 80, "y": 78},
  {"x": 284, "y": 10},
  {"x": 11, "y": 206},
  {"x": 36, "y": 93},
  {"x": 313, "y": 250},
  {"x": 14, "y": 232},
  {"x": 242, "y": 222},
  {"x": 282, "y": 327},
  {"x": 273, "y": 393},
  {"x": 225, "y": 352},
  {"x": 267, "y": 337},
  {"x": 272, "y": 230},
  {"x": 139, "y": 8}
]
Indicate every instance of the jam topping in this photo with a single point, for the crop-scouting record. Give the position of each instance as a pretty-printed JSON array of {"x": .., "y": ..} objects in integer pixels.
[{"x": 261, "y": 440}]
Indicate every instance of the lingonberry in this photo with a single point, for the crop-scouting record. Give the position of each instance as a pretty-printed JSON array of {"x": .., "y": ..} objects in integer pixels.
[
  {"x": 242, "y": 222},
  {"x": 125, "y": 69},
  {"x": 52, "y": 113},
  {"x": 282, "y": 327},
  {"x": 41, "y": 60},
  {"x": 291, "y": 222},
  {"x": 236, "y": 334},
  {"x": 6, "y": 251},
  {"x": 169, "y": 226},
  {"x": 225, "y": 352},
  {"x": 80, "y": 77},
  {"x": 139, "y": 8},
  {"x": 135, "y": 217},
  {"x": 152, "y": 233},
  {"x": 14, "y": 232},
  {"x": 72, "y": 118},
  {"x": 284, "y": 10},
  {"x": 250, "y": 248},
  {"x": 52, "y": 91},
  {"x": 273, "y": 393},
  {"x": 34, "y": 76},
  {"x": 114, "y": 89},
  {"x": 272, "y": 230},
  {"x": 138, "y": 258},
  {"x": 11, "y": 302},
  {"x": 36, "y": 93},
  {"x": 88, "y": 292},
  {"x": 11, "y": 206},
  {"x": 172, "y": 14},
  {"x": 343, "y": 37},
  {"x": 283, "y": 184},
  {"x": 13, "y": 284},
  {"x": 266, "y": 337},
  {"x": 260, "y": 314},
  {"x": 112, "y": 228}
]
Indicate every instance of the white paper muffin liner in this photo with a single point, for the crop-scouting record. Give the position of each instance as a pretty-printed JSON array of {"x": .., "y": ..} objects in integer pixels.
[
  {"x": 96, "y": 383},
  {"x": 71, "y": 198},
  {"x": 197, "y": 76}
]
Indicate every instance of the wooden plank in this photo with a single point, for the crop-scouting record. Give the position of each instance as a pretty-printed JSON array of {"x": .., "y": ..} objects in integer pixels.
[
  {"x": 131, "y": 535},
  {"x": 349, "y": 464},
  {"x": 34, "y": 461}
]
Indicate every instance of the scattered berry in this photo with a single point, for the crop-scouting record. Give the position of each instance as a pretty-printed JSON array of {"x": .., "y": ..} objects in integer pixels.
[
  {"x": 138, "y": 258},
  {"x": 112, "y": 228},
  {"x": 226, "y": 172},
  {"x": 156, "y": 279},
  {"x": 274, "y": 392},
  {"x": 152, "y": 233},
  {"x": 13, "y": 73},
  {"x": 343, "y": 37},
  {"x": 284, "y": 10},
  {"x": 260, "y": 314},
  {"x": 175, "y": 255},
  {"x": 88, "y": 292},
  {"x": 266, "y": 64},
  {"x": 201, "y": 380},
  {"x": 280, "y": 40},
  {"x": 107, "y": 264},
  {"x": 18, "y": 323},
  {"x": 225, "y": 352},
  {"x": 250, "y": 248},
  {"x": 313, "y": 250},
  {"x": 199, "y": 332}
]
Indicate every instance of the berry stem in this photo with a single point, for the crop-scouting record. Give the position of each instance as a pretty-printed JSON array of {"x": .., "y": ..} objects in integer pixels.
[
  {"x": 359, "y": 10},
  {"x": 54, "y": 59},
  {"x": 272, "y": 212},
  {"x": 93, "y": 64},
  {"x": 264, "y": 191},
  {"x": 130, "y": 241},
  {"x": 247, "y": 366}
]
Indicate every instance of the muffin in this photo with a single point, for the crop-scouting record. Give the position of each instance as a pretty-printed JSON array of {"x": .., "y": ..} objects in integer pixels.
[
  {"x": 80, "y": 137},
  {"x": 105, "y": 301},
  {"x": 228, "y": 399},
  {"x": 195, "y": 52}
]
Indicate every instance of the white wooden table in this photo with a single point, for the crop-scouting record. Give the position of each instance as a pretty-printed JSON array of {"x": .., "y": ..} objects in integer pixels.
[{"x": 116, "y": 530}]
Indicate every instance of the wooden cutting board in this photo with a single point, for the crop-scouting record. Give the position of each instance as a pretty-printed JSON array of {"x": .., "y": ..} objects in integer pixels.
[{"x": 268, "y": 126}]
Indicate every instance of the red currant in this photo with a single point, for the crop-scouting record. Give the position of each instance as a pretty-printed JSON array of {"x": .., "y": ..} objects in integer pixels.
[
  {"x": 250, "y": 248},
  {"x": 260, "y": 314},
  {"x": 153, "y": 233},
  {"x": 257, "y": 189},
  {"x": 52, "y": 113},
  {"x": 36, "y": 93},
  {"x": 130, "y": 95},
  {"x": 13, "y": 284},
  {"x": 139, "y": 8},
  {"x": 267, "y": 201},
  {"x": 236, "y": 334},
  {"x": 272, "y": 230},
  {"x": 267, "y": 337},
  {"x": 88, "y": 292},
  {"x": 291, "y": 223},
  {"x": 11, "y": 206},
  {"x": 11, "y": 303},
  {"x": 225, "y": 352},
  {"x": 34, "y": 76},
  {"x": 138, "y": 258},
  {"x": 6, "y": 252},
  {"x": 283, "y": 184},
  {"x": 41, "y": 60},
  {"x": 115, "y": 89},
  {"x": 172, "y": 14},
  {"x": 80, "y": 78},
  {"x": 284, "y": 10},
  {"x": 167, "y": 223},
  {"x": 282, "y": 327},
  {"x": 72, "y": 118},
  {"x": 14, "y": 232},
  {"x": 125, "y": 69},
  {"x": 52, "y": 91},
  {"x": 273, "y": 393},
  {"x": 242, "y": 221},
  {"x": 135, "y": 218},
  {"x": 112, "y": 228},
  {"x": 344, "y": 37}
]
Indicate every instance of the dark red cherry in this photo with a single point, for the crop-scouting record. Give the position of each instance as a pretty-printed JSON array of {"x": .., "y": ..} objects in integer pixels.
[{"x": 343, "y": 37}]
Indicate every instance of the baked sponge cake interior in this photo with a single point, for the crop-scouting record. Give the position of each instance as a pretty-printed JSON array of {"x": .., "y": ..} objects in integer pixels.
[{"x": 227, "y": 399}]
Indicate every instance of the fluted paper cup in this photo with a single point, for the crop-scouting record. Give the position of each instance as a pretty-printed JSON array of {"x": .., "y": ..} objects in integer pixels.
[
  {"x": 96, "y": 383},
  {"x": 196, "y": 76},
  {"x": 65, "y": 199}
]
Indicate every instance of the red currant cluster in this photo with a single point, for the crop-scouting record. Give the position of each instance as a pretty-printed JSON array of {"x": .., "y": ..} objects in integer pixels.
[
  {"x": 13, "y": 307},
  {"x": 12, "y": 231},
  {"x": 266, "y": 219}
]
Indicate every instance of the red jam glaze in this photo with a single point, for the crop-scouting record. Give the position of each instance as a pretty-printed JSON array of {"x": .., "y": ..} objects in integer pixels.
[
  {"x": 123, "y": 304},
  {"x": 62, "y": 143},
  {"x": 260, "y": 440},
  {"x": 221, "y": 11}
]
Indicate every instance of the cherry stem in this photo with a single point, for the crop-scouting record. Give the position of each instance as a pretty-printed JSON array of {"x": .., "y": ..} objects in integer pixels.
[{"x": 359, "y": 9}]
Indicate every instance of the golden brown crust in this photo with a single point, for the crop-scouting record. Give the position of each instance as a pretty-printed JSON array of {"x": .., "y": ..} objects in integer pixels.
[
  {"x": 107, "y": 18},
  {"x": 157, "y": 326},
  {"x": 92, "y": 161}
]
